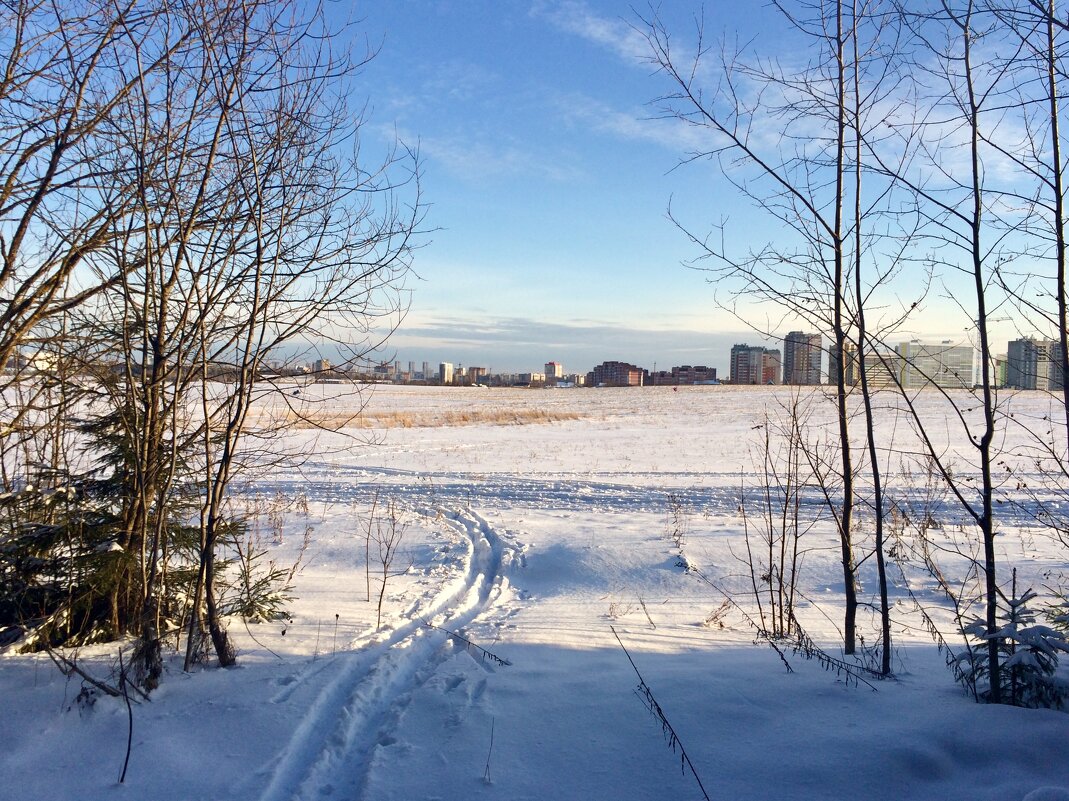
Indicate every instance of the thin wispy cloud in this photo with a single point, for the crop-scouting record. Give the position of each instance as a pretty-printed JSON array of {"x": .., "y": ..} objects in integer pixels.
[
  {"x": 476, "y": 142},
  {"x": 477, "y": 160},
  {"x": 615, "y": 34},
  {"x": 656, "y": 122},
  {"x": 459, "y": 80},
  {"x": 635, "y": 125}
]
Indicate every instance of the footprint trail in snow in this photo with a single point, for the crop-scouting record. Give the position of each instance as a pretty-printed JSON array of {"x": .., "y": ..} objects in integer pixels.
[{"x": 331, "y": 751}]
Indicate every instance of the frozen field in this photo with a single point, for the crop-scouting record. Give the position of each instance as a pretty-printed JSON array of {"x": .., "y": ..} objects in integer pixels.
[{"x": 536, "y": 522}]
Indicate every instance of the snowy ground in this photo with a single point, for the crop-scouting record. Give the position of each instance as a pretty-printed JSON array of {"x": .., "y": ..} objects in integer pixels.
[{"x": 534, "y": 541}]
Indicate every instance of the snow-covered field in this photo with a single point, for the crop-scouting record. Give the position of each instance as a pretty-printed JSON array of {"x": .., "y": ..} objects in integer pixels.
[{"x": 537, "y": 522}]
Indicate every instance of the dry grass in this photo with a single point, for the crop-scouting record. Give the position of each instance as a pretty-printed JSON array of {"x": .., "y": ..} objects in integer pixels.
[{"x": 334, "y": 421}]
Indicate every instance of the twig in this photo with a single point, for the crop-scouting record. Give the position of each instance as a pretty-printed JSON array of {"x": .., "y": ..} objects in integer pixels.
[
  {"x": 645, "y": 695},
  {"x": 253, "y": 638},
  {"x": 469, "y": 644},
  {"x": 69, "y": 668},
  {"x": 367, "y": 543},
  {"x": 804, "y": 646},
  {"x": 963, "y": 677},
  {"x": 647, "y": 611},
  {"x": 129, "y": 716},
  {"x": 768, "y": 640},
  {"x": 486, "y": 772},
  {"x": 761, "y": 633}
]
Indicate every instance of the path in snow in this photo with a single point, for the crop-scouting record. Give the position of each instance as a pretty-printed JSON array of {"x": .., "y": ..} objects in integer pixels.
[
  {"x": 699, "y": 493},
  {"x": 332, "y": 749}
]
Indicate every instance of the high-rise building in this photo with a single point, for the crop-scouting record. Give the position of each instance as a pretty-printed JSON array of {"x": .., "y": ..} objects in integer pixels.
[
  {"x": 554, "y": 372},
  {"x": 771, "y": 366},
  {"x": 1029, "y": 364},
  {"x": 445, "y": 373},
  {"x": 802, "y": 357},
  {"x": 945, "y": 365},
  {"x": 745, "y": 365},
  {"x": 1056, "y": 374},
  {"x": 1021, "y": 363},
  {"x": 999, "y": 369},
  {"x": 754, "y": 365},
  {"x": 883, "y": 369},
  {"x": 850, "y": 366}
]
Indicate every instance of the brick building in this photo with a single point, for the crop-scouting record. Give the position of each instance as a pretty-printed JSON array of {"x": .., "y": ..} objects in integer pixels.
[
  {"x": 617, "y": 374},
  {"x": 686, "y": 374}
]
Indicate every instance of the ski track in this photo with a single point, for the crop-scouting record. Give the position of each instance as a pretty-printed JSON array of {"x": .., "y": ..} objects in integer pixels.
[
  {"x": 331, "y": 752},
  {"x": 346, "y": 484}
]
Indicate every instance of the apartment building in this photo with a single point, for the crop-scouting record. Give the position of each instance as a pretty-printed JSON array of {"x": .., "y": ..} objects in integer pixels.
[
  {"x": 754, "y": 365},
  {"x": 1033, "y": 364},
  {"x": 802, "y": 358},
  {"x": 883, "y": 368},
  {"x": 944, "y": 365},
  {"x": 616, "y": 374},
  {"x": 850, "y": 366},
  {"x": 684, "y": 374}
]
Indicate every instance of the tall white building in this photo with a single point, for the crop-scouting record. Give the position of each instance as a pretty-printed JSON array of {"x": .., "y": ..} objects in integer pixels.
[
  {"x": 945, "y": 365},
  {"x": 445, "y": 373},
  {"x": 554, "y": 373}
]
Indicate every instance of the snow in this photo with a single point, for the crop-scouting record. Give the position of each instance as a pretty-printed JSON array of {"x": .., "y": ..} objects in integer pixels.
[{"x": 534, "y": 542}]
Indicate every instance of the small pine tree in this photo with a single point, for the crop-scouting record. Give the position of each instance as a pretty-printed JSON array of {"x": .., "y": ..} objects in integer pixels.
[{"x": 1028, "y": 654}]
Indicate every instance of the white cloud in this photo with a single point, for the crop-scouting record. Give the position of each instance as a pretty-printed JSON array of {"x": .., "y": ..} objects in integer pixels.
[
  {"x": 473, "y": 159},
  {"x": 459, "y": 80},
  {"x": 616, "y": 35},
  {"x": 635, "y": 125}
]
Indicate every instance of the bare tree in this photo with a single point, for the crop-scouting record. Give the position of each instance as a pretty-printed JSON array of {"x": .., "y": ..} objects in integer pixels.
[
  {"x": 801, "y": 180},
  {"x": 1035, "y": 282},
  {"x": 67, "y": 68},
  {"x": 963, "y": 106},
  {"x": 859, "y": 134},
  {"x": 248, "y": 220},
  {"x": 772, "y": 514},
  {"x": 64, "y": 202},
  {"x": 388, "y": 536}
]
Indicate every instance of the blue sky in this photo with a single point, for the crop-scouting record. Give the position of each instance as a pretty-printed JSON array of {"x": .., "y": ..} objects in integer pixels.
[
  {"x": 548, "y": 183},
  {"x": 548, "y": 186}
]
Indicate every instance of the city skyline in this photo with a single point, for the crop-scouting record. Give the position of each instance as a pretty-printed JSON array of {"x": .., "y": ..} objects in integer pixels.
[{"x": 1027, "y": 363}]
